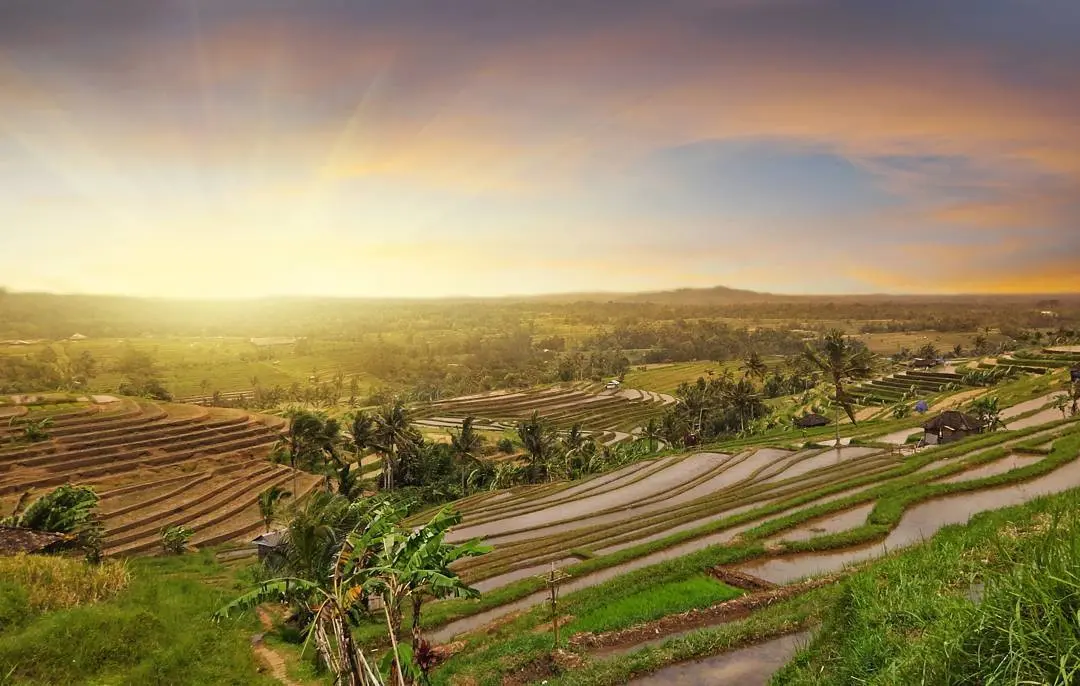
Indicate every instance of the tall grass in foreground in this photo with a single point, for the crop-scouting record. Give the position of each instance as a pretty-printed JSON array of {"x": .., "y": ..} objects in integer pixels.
[
  {"x": 55, "y": 583},
  {"x": 158, "y": 630},
  {"x": 997, "y": 602},
  {"x": 1027, "y": 628}
]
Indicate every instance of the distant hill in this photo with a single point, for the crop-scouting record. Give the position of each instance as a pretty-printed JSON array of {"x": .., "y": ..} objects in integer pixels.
[
  {"x": 717, "y": 295},
  {"x": 722, "y": 295}
]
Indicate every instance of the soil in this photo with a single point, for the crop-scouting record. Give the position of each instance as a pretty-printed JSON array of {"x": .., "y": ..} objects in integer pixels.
[
  {"x": 267, "y": 655},
  {"x": 543, "y": 667}
]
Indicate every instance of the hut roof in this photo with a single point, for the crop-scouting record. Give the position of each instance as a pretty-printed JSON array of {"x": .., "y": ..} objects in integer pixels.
[
  {"x": 953, "y": 421},
  {"x": 811, "y": 420},
  {"x": 271, "y": 539},
  {"x": 14, "y": 540}
]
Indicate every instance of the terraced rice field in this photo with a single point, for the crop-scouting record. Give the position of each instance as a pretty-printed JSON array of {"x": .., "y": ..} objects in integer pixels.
[
  {"x": 906, "y": 385},
  {"x": 154, "y": 465},
  {"x": 652, "y": 512},
  {"x": 614, "y": 412},
  {"x": 665, "y": 378}
]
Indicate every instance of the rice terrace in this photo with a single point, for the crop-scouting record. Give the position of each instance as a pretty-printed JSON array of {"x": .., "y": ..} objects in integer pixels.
[
  {"x": 479, "y": 343},
  {"x": 699, "y": 513}
]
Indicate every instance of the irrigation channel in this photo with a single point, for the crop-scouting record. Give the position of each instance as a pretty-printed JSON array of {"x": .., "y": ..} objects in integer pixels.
[
  {"x": 750, "y": 666},
  {"x": 920, "y": 521}
]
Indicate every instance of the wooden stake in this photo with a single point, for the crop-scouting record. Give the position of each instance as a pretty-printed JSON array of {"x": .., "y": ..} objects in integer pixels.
[{"x": 553, "y": 579}]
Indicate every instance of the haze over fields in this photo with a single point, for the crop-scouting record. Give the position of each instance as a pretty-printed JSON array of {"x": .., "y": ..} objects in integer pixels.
[{"x": 220, "y": 149}]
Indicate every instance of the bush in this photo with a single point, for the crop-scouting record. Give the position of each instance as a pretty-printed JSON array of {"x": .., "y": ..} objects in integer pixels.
[
  {"x": 174, "y": 539},
  {"x": 505, "y": 446},
  {"x": 67, "y": 509}
]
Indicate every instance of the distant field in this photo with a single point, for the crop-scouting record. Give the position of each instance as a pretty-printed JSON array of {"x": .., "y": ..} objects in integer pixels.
[
  {"x": 225, "y": 364},
  {"x": 665, "y": 378},
  {"x": 889, "y": 343}
]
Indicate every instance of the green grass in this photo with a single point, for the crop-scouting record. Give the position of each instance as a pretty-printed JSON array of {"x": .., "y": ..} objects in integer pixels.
[
  {"x": 654, "y": 602},
  {"x": 912, "y": 619},
  {"x": 157, "y": 631}
]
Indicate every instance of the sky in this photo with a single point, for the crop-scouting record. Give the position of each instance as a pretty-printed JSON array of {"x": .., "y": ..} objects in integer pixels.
[{"x": 242, "y": 148}]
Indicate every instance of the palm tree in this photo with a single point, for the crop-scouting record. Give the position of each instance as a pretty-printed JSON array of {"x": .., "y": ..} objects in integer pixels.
[
  {"x": 537, "y": 438},
  {"x": 980, "y": 345},
  {"x": 754, "y": 367},
  {"x": 391, "y": 435},
  {"x": 268, "y": 503},
  {"x": 571, "y": 445},
  {"x": 348, "y": 482},
  {"x": 841, "y": 361},
  {"x": 465, "y": 446},
  {"x": 652, "y": 432}
]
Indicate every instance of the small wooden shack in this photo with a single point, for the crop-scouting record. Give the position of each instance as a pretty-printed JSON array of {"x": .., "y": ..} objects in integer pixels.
[
  {"x": 269, "y": 543},
  {"x": 811, "y": 420},
  {"x": 950, "y": 426}
]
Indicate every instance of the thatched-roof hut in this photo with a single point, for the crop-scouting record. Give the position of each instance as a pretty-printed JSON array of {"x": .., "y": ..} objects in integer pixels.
[
  {"x": 15, "y": 540},
  {"x": 950, "y": 426},
  {"x": 811, "y": 420}
]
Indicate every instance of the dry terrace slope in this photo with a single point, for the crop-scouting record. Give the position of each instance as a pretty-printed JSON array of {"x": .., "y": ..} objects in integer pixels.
[{"x": 154, "y": 465}]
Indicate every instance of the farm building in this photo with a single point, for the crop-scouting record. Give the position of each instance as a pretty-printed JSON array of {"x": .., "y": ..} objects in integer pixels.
[
  {"x": 950, "y": 426},
  {"x": 269, "y": 543},
  {"x": 14, "y": 540},
  {"x": 811, "y": 420},
  {"x": 924, "y": 363}
]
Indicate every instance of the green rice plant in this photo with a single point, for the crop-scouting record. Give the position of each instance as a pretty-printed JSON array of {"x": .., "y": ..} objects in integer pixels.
[{"x": 653, "y": 602}]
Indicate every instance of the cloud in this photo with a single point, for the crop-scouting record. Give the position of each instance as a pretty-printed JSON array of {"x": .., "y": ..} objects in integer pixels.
[{"x": 691, "y": 130}]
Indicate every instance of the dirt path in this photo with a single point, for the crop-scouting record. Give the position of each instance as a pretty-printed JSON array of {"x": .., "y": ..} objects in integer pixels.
[{"x": 267, "y": 655}]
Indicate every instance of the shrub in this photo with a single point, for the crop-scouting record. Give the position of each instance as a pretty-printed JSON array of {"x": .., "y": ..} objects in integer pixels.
[
  {"x": 36, "y": 431},
  {"x": 174, "y": 539},
  {"x": 67, "y": 509},
  {"x": 505, "y": 446}
]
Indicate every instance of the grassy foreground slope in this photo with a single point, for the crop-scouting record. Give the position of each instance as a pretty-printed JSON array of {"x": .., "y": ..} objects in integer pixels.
[{"x": 156, "y": 631}]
